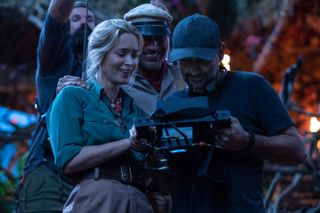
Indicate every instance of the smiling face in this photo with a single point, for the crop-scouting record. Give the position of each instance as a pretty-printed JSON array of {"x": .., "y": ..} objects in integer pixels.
[
  {"x": 197, "y": 72},
  {"x": 121, "y": 61},
  {"x": 154, "y": 52}
]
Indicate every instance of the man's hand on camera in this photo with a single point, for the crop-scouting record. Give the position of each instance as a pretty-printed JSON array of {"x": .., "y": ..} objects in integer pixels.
[
  {"x": 233, "y": 138},
  {"x": 69, "y": 80}
]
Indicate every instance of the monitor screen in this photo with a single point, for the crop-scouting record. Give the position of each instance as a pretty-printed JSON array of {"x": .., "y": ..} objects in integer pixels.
[{"x": 177, "y": 137}]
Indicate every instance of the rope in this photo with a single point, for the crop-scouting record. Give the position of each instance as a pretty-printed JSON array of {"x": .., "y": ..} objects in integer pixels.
[{"x": 85, "y": 44}]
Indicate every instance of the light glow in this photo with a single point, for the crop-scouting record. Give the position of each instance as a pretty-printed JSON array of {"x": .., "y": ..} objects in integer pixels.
[
  {"x": 226, "y": 61},
  {"x": 314, "y": 124}
]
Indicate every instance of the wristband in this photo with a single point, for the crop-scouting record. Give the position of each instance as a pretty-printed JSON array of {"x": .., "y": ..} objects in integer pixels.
[{"x": 251, "y": 142}]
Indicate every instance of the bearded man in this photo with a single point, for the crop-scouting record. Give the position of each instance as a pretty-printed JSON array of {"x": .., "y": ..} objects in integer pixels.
[{"x": 60, "y": 53}]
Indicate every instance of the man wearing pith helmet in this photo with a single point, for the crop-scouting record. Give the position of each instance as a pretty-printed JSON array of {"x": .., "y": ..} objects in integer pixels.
[
  {"x": 229, "y": 178},
  {"x": 154, "y": 80}
]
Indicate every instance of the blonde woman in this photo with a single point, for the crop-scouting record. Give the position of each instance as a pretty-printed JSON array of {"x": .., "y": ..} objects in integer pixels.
[{"x": 89, "y": 129}]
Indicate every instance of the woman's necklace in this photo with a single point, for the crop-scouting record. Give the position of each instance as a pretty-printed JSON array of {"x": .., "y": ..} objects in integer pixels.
[
  {"x": 116, "y": 108},
  {"x": 116, "y": 105}
]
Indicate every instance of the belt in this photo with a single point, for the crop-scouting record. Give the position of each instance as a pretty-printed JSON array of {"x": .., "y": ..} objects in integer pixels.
[{"x": 126, "y": 174}]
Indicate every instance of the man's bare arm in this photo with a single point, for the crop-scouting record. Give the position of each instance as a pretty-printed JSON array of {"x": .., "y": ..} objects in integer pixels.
[{"x": 286, "y": 147}]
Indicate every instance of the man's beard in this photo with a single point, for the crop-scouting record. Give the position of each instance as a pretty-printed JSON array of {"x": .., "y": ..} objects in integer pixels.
[
  {"x": 77, "y": 39},
  {"x": 208, "y": 84},
  {"x": 152, "y": 65},
  {"x": 196, "y": 89}
]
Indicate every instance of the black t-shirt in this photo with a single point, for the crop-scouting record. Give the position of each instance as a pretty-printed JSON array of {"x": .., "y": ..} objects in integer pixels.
[{"x": 252, "y": 100}]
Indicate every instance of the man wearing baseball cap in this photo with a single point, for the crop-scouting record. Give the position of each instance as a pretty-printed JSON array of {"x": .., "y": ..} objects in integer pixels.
[
  {"x": 43, "y": 188},
  {"x": 230, "y": 177}
]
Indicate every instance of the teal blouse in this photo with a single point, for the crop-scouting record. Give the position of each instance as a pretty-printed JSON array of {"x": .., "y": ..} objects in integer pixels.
[{"x": 79, "y": 117}]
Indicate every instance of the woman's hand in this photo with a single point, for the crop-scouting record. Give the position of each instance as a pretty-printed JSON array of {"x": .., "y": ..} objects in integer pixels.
[{"x": 138, "y": 143}]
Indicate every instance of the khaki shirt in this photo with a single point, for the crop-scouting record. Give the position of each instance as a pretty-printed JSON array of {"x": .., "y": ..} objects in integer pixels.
[{"x": 145, "y": 96}]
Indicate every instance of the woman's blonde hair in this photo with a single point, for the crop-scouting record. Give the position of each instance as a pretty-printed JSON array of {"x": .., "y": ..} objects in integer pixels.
[{"x": 103, "y": 38}]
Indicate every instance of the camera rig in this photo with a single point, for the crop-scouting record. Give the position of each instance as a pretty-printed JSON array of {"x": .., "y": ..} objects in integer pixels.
[{"x": 181, "y": 126}]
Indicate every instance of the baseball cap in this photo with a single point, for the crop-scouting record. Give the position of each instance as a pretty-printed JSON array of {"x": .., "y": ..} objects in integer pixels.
[
  {"x": 195, "y": 36},
  {"x": 150, "y": 20}
]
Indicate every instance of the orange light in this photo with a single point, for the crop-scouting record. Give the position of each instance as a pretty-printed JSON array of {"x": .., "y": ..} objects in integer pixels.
[{"x": 314, "y": 124}]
